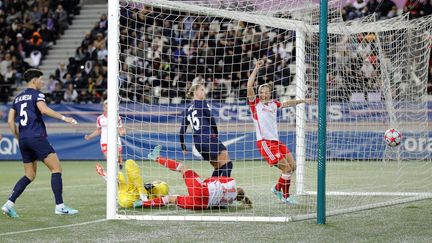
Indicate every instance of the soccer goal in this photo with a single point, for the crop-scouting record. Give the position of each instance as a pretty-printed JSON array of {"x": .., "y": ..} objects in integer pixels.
[{"x": 376, "y": 79}]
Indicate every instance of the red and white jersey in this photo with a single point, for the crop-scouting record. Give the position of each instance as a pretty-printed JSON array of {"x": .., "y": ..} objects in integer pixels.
[
  {"x": 265, "y": 119},
  {"x": 102, "y": 123},
  {"x": 222, "y": 191}
]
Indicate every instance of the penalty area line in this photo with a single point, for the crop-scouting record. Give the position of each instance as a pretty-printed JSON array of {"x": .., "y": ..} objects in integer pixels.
[{"x": 53, "y": 227}]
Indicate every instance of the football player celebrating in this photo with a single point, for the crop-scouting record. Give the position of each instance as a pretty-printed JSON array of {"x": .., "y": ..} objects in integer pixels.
[
  {"x": 264, "y": 114},
  {"x": 218, "y": 191}
]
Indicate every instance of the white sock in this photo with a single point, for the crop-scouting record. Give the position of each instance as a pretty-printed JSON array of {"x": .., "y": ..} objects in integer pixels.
[
  {"x": 10, "y": 203},
  {"x": 60, "y": 206}
]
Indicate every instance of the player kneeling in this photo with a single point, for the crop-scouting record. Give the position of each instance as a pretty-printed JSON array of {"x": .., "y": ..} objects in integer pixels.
[
  {"x": 133, "y": 188},
  {"x": 202, "y": 194}
]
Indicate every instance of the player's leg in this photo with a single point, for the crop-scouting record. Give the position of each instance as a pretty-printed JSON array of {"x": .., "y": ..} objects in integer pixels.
[
  {"x": 30, "y": 166},
  {"x": 168, "y": 163},
  {"x": 133, "y": 172},
  {"x": 219, "y": 158},
  {"x": 274, "y": 153},
  {"x": 53, "y": 163},
  {"x": 223, "y": 165},
  {"x": 156, "y": 202},
  {"x": 287, "y": 167},
  {"x": 192, "y": 202},
  {"x": 29, "y": 175},
  {"x": 197, "y": 197},
  {"x": 198, "y": 194}
]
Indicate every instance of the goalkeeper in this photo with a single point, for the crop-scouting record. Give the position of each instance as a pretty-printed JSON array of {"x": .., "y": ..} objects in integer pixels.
[
  {"x": 131, "y": 187},
  {"x": 202, "y": 194}
]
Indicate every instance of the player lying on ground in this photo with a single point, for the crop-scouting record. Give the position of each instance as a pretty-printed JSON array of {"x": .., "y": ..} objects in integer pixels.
[
  {"x": 131, "y": 187},
  {"x": 202, "y": 194},
  {"x": 29, "y": 106},
  {"x": 264, "y": 114},
  {"x": 205, "y": 133},
  {"x": 102, "y": 131}
]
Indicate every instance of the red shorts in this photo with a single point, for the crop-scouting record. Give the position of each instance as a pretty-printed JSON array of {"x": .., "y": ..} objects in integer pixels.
[
  {"x": 104, "y": 148},
  {"x": 272, "y": 150},
  {"x": 198, "y": 194}
]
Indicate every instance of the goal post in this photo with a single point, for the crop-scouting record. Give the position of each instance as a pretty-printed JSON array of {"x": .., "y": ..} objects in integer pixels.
[
  {"x": 113, "y": 102},
  {"x": 376, "y": 78}
]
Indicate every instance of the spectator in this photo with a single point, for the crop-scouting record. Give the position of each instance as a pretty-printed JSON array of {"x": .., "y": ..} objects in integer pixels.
[
  {"x": 35, "y": 15},
  {"x": 52, "y": 82},
  {"x": 58, "y": 94},
  {"x": 70, "y": 95},
  {"x": 385, "y": 7},
  {"x": 21, "y": 45},
  {"x": 426, "y": 7},
  {"x": 61, "y": 16},
  {"x": 5, "y": 64},
  {"x": 60, "y": 72}
]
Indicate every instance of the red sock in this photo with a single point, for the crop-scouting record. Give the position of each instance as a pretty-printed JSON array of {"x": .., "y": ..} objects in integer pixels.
[
  {"x": 284, "y": 185},
  {"x": 169, "y": 163},
  {"x": 157, "y": 202}
]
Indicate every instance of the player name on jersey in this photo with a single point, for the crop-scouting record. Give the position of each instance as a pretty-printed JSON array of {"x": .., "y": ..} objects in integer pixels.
[{"x": 23, "y": 98}]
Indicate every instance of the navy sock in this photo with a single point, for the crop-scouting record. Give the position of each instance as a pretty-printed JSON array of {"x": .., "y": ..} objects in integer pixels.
[
  {"x": 20, "y": 186},
  {"x": 57, "y": 187},
  {"x": 225, "y": 170}
]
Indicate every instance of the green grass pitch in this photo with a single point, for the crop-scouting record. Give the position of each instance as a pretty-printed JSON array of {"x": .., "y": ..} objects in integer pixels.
[{"x": 85, "y": 190}]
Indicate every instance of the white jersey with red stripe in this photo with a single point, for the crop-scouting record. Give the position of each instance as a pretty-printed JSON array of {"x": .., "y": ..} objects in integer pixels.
[
  {"x": 265, "y": 119},
  {"x": 102, "y": 123},
  {"x": 222, "y": 191}
]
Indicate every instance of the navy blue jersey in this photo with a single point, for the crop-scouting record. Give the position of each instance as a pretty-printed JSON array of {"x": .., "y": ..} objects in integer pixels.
[
  {"x": 198, "y": 115},
  {"x": 30, "y": 119}
]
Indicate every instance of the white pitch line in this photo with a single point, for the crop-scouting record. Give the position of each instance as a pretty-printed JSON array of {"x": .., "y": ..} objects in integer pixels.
[{"x": 53, "y": 227}]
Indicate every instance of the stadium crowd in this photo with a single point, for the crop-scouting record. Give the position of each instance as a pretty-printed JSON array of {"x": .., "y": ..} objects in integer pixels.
[
  {"x": 27, "y": 31},
  {"x": 187, "y": 50}
]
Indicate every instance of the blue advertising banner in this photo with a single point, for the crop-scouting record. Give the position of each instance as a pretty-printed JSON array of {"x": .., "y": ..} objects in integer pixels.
[
  {"x": 337, "y": 112},
  {"x": 354, "y": 145}
]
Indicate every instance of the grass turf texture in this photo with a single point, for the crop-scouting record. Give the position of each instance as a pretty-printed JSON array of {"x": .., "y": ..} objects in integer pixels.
[{"x": 85, "y": 190}]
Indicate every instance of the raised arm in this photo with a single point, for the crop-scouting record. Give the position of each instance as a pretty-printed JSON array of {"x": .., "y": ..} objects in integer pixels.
[{"x": 251, "y": 80}]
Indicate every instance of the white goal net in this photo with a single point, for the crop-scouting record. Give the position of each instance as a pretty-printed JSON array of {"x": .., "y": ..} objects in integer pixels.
[{"x": 376, "y": 79}]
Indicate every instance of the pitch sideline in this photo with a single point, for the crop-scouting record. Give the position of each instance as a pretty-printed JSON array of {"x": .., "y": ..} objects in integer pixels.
[{"x": 53, "y": 227}]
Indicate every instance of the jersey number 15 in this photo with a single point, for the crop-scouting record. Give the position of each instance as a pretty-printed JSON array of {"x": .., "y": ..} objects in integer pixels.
[{"x": 194, "y": 121}]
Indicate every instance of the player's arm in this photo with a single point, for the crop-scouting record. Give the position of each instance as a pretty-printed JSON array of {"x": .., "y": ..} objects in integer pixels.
[
  {"x": 11, "y": 122},
  {"x": 95, "y": 133},
  {"x": 45, "y": 110},
  {"x": 182, "y": 132},
  {"x": 121, "y": 131},
  {"x": 121, "y": 128},
  {"x": 294, "y": 102},
  {"x": 251, "y": 81}
]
